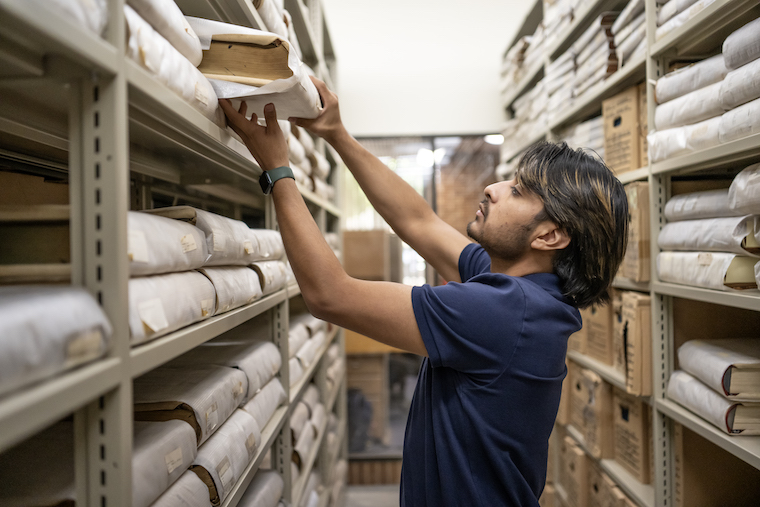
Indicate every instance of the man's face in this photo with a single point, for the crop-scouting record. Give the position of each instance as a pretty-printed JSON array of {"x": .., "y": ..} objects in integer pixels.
[{"x": 504, "y": 223}]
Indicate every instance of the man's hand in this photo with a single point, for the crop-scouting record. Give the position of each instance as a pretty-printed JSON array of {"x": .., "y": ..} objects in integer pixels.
[
  {"x": 328, "y": 124},
  {"x": 266, "y": 144}
]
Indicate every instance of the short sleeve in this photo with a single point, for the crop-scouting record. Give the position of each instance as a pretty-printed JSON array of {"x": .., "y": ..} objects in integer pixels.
[
  {"x": 472, "y": 327},
  {"x": 473, "y": 261}
]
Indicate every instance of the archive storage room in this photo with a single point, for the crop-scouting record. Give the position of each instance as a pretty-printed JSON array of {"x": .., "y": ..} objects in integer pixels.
[{"x": 519, "y": 264}]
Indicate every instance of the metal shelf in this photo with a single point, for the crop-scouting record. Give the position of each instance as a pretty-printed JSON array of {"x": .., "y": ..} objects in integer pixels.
[
  {"x": 591, "y": 101},
  {"x": 532, "y": 76},
  {"x": 31, "y": 409},
  {"x": 741, "y": 151},
  {"x": 145, "y": 357},
  {"x": 293, "y": 290},
  {"x": 638, "y": 175},
  {"x": 315, "y": 199},
  {"x": 746, "y": 448},
  {"x": 607, "y": 372},
  {"x": 625, "y": 284},
  {"x": 581, "y": 22},
  {"x": 303, "y": 477},
  {"x": 748, "y": 299},
  {"x": 705, "y": 33},
  {"x": 268, "y": 436},
  {"x": 306, "y": 39},
  {"x": 237, "y": 12},
  {"x": 297, "y": 390}
]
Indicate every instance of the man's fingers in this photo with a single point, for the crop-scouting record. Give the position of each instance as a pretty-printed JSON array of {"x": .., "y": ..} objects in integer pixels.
[
  {"x": 270, "y": 115},
  {"x": 243, "y": 108}
]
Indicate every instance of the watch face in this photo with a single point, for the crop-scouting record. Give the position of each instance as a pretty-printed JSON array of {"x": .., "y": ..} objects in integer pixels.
[{"x": 266, "y": 182}]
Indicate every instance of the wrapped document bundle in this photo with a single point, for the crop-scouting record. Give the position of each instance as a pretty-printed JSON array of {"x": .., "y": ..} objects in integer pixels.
[
  {"x": 204, "y": 396},
  {"x": 260, "y": 361},
  {"x": 742, "y": 46},
  {"x": 161, "y": 453},
  {"x": 311, "y": 398},
  {"x": 672, "y": 142},
  {"x": 255, "y": 66},
  {"x": 149, "y": 49},
  {"x": 161, "y": 304},
  {"x": 697, "y": 205},
  {"x": 265, "y": 403},
  {"x": 731, "y": 417},
  {"x": 234, "y": 286},
  {"x": 222, "y": 460},
  {"x": 682, "y": 18},
  {"x": 741, "y": 85},
  {"x": 299, "y": 419},
  {"x": 40, "y": 470},
  {"x": 631, "y": 39},
  {"x": 296, "y": 151},
  {"x": 89, "y": 14},
  {"x": 304, "y": 444},
  {"x": 298, "y": 333},
  {"x": 312, "y": 323},
  {"x": 271, "y": 14},
  {"x": 296, "y": 370},
  {"x": 730, "y": 366},
  {"x": 188, "y": 491},
  {"x": 160, "y": 245},
  {"x": 688, "y": 79},
  {"x": 272, "y": 274},
  {"x": 627, "y": 15},
  {"x": 305, "y": 139},
  {"x": 46, "y": 330},
  {"x": 267, "y": 245},
  {"x": 167, "y": 19},
  {"x": 711, "y": 270},
  {"x": 733, "y": 234},
  {"x": 324, "y": 190},
  {"x": 308, "y": 352},
  {"x": 740, "y": 122},
  {"x": 265, "y": 490},
  {"x": 690, "y": 108},
  {"x": 320, "y": 167},
  {"x": 671, "y": 9},
  {"x": 744, "y": 193},
  {"x": 310, "y": 497}
]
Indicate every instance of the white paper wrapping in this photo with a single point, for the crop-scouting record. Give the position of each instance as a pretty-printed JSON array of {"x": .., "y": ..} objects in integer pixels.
[
  {"x": 742, "y": 46},
  {"x": 708, "y": 235},
  {"x": 672, "y": 8},
  {"x": 295, "y": 96},
  {"x": 665, "y": 144},
  {"x": 234, "y": 286},
  {"x": 312, "y": 323},
  {"x": 292, "y": 35},
  {"x": 682, "y": 18},
  {"x": 40, "y": 470},
  {"x": 296, "y": 370},
  {"x": 260, "y": 361},
  {"x": 306, "y": 141},
  {"x": 272, "y": 275},
  {"x": 299, "y": 419},
  {"x": 629, "y": 12},
  {"x": 296, "y": 151},
  {"x": 688, "y": 79},
  {"x": 265, "y": 403},
  {"x": 332, "y": 354},
  {"x": 227, "y": 453},
  {"x": 301, "y": 177},
  {"x": 265, "y": 490},
  {"x": 272, "y": 17},
  {"x": 694, "y": 205},
  {"x": 690, "y": 108},
  {"x": 161, "y": 304},
  {"x": 627, "y": 48},
  {"x": 148, "y": 48},
  {"x": 700, "y": 269},
  {"x": 311, "y": 397},
  {"x": 740, "y": 122},
  {"x": 310, "y": 497},
  {"x": 90, "y": 14},
  {"x": 161, "y": 453},
  {"x": 205, "y": 395},
  {"x": 308, "y": 352},
  {"x": 625, "y": 32},
  {"x": 757, "y": 269},
  {"x": 335, "y": 370},
  {"x": 45, "y": 330},
  {"x": 304, "y": 444},
  {"x": 744, "y": 192},
  {"x": 703, "y": 401},
  {"x": 318, "y": 415},
  {"x": 320, "y": 167},
  {"x": 741, "y": 85},
  {"x": 156, "y": 244},
  {"x": 188, "y": 491},
  {"x": 298, "y": 333},
  {"x": 268, "y": 245},
  {"x": 710, "y": 360},
  {"x": 168, "y": 20}
]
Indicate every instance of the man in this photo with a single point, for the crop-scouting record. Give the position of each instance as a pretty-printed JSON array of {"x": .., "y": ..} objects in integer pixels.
[{"x": 495, "y": 337}]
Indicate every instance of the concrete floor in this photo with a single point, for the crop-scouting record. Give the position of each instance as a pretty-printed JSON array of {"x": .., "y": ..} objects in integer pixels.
[{"x": 372, "y": 496}]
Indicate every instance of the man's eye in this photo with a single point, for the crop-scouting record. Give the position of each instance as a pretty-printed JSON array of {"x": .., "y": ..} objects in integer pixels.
[{"x": 515, "y": 191}]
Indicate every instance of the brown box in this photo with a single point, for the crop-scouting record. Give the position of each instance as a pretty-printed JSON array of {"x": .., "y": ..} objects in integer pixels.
[
  {"x": 563, "y": 413},
  {"x": 563, "y": 445},
  {"x": 706, "y": 475},
  {"x": 637, "y": 336},
  {"x": 643, "y": 126},
  {"x": 369, "y": 255},
  {"x": 374, "y": 471},
  {"x": 601, "y": 488},
  {"x": 577, "y": 463},
  {"x": 637, "y": 260},
  {"x": 576, "y": 399},
  {"x": 369, "y": 374},
  {"x": 621, "y": 131},
  {"x": 598, "y": 323},
  {"x": 548, "y": 497},
  {"x": 631, "y": 428},
  {"x": 618, "y": 343},
  {"x": 593, "y": 399},
  {"x": 577, "y": 341}
]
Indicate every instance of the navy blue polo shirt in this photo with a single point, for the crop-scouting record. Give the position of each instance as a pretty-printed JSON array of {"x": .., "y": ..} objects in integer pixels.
[{"x": 487, "y": 395}]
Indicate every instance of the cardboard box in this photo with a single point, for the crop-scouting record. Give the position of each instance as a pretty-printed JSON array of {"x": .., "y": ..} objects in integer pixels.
[
  {"x": 706, "y": 475},
  {"x": 631, "y": 429},
  {"x": 548, "y": 497},
  {"x": 576, "y": 486},
  {"x": 636, "y": 332},
  {"x": 599, "y": 331},
  {"x": 594, "y": 398},
  {"x": 643, "y": 126},
  {"x": 576, "y": 398},
  {"x": 563, "y": 445},
  {"x": 563, "y": 413},
  {"x": 371, "y": 255},
  {"x": 601, "y": 488},
  {"x": 369, "y": 374},
  {"x": 621, "y": 131},
  {"x": 618, "y": 343},
  {"x": 577, "y": 341},
  {"x": 637, "y": 260}
]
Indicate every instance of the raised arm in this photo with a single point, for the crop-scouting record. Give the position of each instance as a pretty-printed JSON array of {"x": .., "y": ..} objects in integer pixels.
[{"x": 398, "y": 203}]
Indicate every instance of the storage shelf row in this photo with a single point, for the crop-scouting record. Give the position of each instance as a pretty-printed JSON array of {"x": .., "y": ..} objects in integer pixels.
[
  {"x": 607, "y": 372},
  {"x": 581, "y": 20},
  {"x": 729, "y": 154},
  {"x": 746, "y": 299},
  {"x": 303, "y": 477},
  {"x": 625, "y": 284},
  {"x": 640, "y": 174},
  {"x": 296, "y": 391},
  {"x": 306, "y": 36},
  {"x": 532, "y": 76}
]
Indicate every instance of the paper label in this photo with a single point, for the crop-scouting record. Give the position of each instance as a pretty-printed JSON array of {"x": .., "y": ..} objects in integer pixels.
[
  {"x": 188, "y": 243},
  {"x": 84, "y": 347},
  {"x": 248, "y": 247},
  {"x": 238, "y": 391},
  {"x": 224, "y": 469},
  {"x": 207, "y": 307},
  {"x": 250, "y": 444},
  {"x": 152, "y": 314},
  {"x": 220, "y": 240},
  {"x": 212, "y": 418},
  {"x": 137, "y": 246},
  {"x": 201, "y": 94},
  {"x": 704, "y": 259},
  {"x": 173, "y": 459}
]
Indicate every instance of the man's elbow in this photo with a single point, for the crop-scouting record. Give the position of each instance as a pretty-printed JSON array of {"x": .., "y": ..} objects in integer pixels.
[{"x": 321, "y": 304}]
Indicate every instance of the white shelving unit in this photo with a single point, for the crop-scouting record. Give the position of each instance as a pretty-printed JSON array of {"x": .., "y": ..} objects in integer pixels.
[
  {"x": 700, "y": 37},
  {"x": 76, "y": 106}
]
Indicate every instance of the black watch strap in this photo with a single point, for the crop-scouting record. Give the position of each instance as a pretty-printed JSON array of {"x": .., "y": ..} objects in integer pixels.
[{"x": 269, "y": 178}]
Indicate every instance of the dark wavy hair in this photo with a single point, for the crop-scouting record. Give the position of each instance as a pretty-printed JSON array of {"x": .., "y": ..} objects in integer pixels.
[{"x": 583, "y": 198}]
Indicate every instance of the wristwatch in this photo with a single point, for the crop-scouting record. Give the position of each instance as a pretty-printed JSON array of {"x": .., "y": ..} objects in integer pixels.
[{"x": 268, "y": 178}]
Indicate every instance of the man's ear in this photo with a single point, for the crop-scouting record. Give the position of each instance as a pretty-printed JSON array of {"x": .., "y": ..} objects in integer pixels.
[{"x": 551, "y": 238}]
